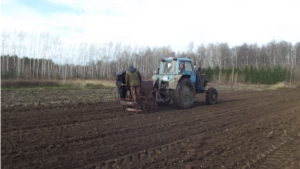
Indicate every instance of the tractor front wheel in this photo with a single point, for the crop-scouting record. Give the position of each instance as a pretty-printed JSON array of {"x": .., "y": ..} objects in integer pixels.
[
  {"x": 211, "y": 96},
  {"x": 184, "y": 95}
]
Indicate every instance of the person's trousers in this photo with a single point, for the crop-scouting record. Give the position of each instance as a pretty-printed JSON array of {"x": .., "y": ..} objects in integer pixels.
[
  {"x": 122, "y": 92},
  {"x": 135, "y": 93}
]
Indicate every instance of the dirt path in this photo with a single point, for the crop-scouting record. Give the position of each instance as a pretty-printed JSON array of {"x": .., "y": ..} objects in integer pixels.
[{"x": 245, "y": 130}]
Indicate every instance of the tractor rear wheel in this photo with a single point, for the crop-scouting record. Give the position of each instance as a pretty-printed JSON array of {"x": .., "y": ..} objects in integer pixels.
[
  {"x": 184, "y": 95},
  {"x": 211, "y": 96}
]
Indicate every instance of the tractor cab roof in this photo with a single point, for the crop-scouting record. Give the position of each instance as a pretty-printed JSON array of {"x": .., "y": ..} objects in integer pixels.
[{"x": 175, "y": 58}]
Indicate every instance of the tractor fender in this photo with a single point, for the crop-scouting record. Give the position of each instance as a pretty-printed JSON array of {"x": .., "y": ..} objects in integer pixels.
[{"x": 174, "y": 82}]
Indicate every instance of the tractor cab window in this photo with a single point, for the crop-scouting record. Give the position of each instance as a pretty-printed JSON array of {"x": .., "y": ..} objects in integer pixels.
[
  {"x": 168, "y": 67},
  {"x": 188, "y": 66},
  {"x": 185, "y": 66},
  {"x": 181, "y": 66}
]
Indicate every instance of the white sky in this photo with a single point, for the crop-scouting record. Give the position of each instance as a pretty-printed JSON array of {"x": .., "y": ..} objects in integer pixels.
[{"x": 156, "y": 22}]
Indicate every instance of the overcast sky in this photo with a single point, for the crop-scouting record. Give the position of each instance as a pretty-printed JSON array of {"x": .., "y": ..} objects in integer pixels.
[{"x": 156, "y": 22}]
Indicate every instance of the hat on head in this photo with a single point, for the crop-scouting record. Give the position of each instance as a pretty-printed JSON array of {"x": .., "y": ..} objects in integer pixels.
[{"x": 130, "y": 65}]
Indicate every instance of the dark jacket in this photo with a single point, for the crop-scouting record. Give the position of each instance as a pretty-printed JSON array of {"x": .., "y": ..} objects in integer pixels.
[
  {"x": 120, "y": 78},
  {"x": 133, "y": 76}
]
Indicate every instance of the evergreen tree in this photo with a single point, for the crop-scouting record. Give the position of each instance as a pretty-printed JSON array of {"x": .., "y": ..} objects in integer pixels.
[{"x": 245, "y": 72}]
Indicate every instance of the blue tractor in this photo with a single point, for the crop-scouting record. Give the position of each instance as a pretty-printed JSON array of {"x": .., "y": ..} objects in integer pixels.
[{"x": 178, "y": 80}]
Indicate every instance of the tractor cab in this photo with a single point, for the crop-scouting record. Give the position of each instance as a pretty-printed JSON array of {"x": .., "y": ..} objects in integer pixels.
[{"x": 173, "y": 68}]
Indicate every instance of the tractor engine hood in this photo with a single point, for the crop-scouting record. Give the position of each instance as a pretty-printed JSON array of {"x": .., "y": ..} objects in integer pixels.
[{"x": 166, "y": 77}]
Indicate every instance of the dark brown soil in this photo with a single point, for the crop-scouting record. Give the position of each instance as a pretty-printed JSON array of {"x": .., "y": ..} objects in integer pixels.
[{"x": 244, "y": 130}]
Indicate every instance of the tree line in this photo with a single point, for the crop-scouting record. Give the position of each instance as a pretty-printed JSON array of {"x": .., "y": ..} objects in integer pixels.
[
  {"x": 249, "y": 74},
  {"x": 43, "y": 56}
]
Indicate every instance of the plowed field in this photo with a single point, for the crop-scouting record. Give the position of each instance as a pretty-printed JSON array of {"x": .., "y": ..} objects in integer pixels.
[{"x": 245, "y": 129}]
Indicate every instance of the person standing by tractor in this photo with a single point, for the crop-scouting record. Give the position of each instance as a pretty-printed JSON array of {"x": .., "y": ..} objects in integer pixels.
[
  {"x": 133, "y": 80},
  {"x": 120, "y": 82}
]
